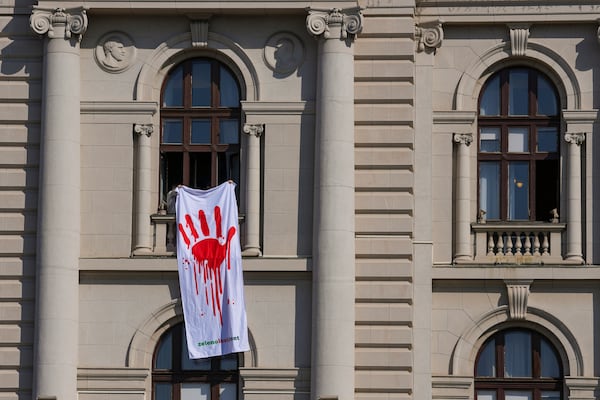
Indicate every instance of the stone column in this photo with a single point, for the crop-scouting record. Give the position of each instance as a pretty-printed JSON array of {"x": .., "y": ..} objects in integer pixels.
[
  {"x": 463, "y": 250},
  {"x": 58, "y": 234},
  {"x": 143, "y": 189},
  {"x": 252, "y": 220},
  {"x": 332, "y": 372},
  {"x": 574, "y": 222}
]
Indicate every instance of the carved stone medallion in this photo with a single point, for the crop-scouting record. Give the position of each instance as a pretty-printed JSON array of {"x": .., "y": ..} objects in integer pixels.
[
  {"x": 115, "y": 52},
  {"x": 283, "y": 53}
]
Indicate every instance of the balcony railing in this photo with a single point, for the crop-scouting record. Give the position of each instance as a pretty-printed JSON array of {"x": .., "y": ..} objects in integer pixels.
[{"x": 503, "y": 243}]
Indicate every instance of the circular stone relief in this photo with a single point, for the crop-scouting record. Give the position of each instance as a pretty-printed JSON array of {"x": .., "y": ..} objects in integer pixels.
[
  {"x": 284, "y": 52},
  {"x": 115, "y": 52}
]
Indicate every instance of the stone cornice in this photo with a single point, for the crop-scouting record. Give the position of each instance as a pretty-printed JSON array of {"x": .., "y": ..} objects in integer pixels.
[
  {"x": 320, "y": 21},
  {"x": 57, "y": 22}
]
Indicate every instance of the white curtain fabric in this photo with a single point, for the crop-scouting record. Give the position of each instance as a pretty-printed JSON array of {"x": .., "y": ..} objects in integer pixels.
[{"x": 210, "y": 271}]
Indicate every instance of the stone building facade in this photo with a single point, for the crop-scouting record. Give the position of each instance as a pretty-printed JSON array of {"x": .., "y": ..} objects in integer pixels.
[{"x": 416, "y": 183}]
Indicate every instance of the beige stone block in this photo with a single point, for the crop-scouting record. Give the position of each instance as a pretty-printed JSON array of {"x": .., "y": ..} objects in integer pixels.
[
  {"x": 382, "y": 335},
  {"x": 19, "y": 333},
  {"x": 17, "y": 357},
  {"x": 111, "y": 395},
  {"x": 20, "y": 112},
  {"x": 20, "y": 134},
  {"x": 384, "y": 380},
  {"x": 18, "y": 244},
  {"x": 15, "y": 379},
  {"x": 384, "y": 135},
  {"x": 18, "y": 177},
  {"x": 367, "y": 395},
  {"x": 388, "y": 245},
  {"x": 392, "y": 92},
  {"x": 14, "y": 68},
  {"x": 21, "y": 310},
  {"x": 383, "y": 268},
  {"x": 383, "y": 357},
  {"x": 394, "y": 70},
  {"x": 383, "y": 291},
  {"x": 11, "y": 24},
  {"x": 399, "y": 313},
  {"x": 16, "y": 221},
  {"x": 389, "y": 48},
  {"x": 18, "y": 199},
  {"x": 21, "y": 90},
  {"x": 17, "y": 155},
  {"x": 383, "y": 113},
  {"x": 383, "y": 157},
  {"x": 397, "y": 224},
  {"x": 387, "y": 26},
  {"x": 384, "y": 201},
  {"x": 17, "y": 266},
  {"x": 382, "y": 179}
]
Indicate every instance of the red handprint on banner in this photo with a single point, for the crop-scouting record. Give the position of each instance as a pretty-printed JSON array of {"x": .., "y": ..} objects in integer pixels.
[{"x": 208, "y": 255}]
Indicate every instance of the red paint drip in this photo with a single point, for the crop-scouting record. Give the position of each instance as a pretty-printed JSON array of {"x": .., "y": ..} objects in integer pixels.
[{"x": 203, "y": 223}]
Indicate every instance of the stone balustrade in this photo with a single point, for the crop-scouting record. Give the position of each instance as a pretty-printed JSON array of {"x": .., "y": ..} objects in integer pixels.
[{"x": 526, "y": 243}]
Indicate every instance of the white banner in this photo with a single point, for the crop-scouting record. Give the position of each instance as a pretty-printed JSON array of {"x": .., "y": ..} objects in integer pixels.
[{"x": 209, "y": 259}]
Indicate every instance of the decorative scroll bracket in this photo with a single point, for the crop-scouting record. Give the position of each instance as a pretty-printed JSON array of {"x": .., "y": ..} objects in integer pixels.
[
  {"x": 50, "y": 21},
  {"x": 518, "y": 294}
]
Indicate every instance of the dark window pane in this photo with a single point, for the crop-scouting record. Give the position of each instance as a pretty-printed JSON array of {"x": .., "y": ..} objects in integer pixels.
[
  {"x": 195, "y": 391},
  {"x": 229, "y": 90},
  {"x": 518, "y": 190},
  {"x": 489, "y": 139},
  {"x": 172, "y": 172},
  {"x": 227, "y": 391},
  {"x": 489, "y": 189},
  {"x": 164, "y": 353},
  {"x": 201, "y": 84},
  {"x": 518, "y": 96},
  {"x": 550, "y": 367},
  {"x": 229, "y": 362},
  {"x": 546, "y": 189},
  {"x": 163, "y": 391},
  {"x": 547, "y": 140},
  {"x": 547, "y": 101},
  {"x": 229, "y": 166},
  {"x": 548, "y": 395},
  {"x": 486, "y": 395},
  {"x": 191, "y": 364},
  {"x": 486, "y": 364},
  {"x": 490, "y": 100},
  {"x": 517, "y": 395},
  {"x": 200, "y": 131},
  {"x": 229, "y": 131},
  {"x": 200, "y": 170},
  {"x": 173, "y": 93},
  {"x": 518, "y": 139},
  {"x": 517, "y": 354},
  {"x": 172, "y": 131}
]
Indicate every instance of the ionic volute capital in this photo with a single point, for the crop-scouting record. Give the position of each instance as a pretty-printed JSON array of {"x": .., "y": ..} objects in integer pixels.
[
  {"x": 59, "y": 22},
  {"x": 575, "y": 138},
  {"x": 320, "y": 22},
  {"x": 143, "y": 129},
  {"x": 463, "y": 138},
  {"x": 255, "y": 130},
  {"x": 429, "y": 36}
]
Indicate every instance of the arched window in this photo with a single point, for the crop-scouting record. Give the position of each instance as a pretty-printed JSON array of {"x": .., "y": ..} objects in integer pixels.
[
  {"x": 518, "y": 364},
  {"x": 176, "y": 377},
  {"x": 518, "y": 146},
  {"x": 200, "y": 126}
]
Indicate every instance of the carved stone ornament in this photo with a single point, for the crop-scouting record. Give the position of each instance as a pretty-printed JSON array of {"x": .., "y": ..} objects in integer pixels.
[
  {"x": 429, "y": 36},
  {"x": 575, "y": 138},
  {"x": 519, "y": 34},
  {"x": 115, "y": 52},
  {"x": 320, "y": 21},
  {"x": 463, "y": 138},
  {"x": 518, "y": 294},
  {"x": 283, "y": 53},
  {"x": 53, "y": 21},
  {"x": 199, "y": 30},
  {"x": 254, "y": 129},
  {"x": 143, "y": 129}
]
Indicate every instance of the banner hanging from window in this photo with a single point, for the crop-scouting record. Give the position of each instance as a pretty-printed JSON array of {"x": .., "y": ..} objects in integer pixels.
[{"x": 209, "y": 260}]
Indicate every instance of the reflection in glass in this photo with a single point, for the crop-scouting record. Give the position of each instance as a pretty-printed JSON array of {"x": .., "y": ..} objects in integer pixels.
[
  {"x": 490, "y": 101},
  {"x": 227, "y": 391},
  {"x": 518, "y": 190},
  {"x": 550, "y": 367},
  {"x": 229, "y": 131},
  {"x": 230, "y": 92},
  {"x": 229, "y": 166},
  {"x": 486, "y": 395},
  {"x": 489, "y": 139},
  {"x": 518, "y": 139},
  {"x": 200, "y": 131},
  {"x": 517, "y": 355},
  {"x": 547, "y": 140},
  {"x": 518, "y": 96},
  {"x": 173, "y": 93},
  {"x": 201, "y": 84},
  {"x": 202, "y": 364},
  {"x": 229, "y": 362},
  {"x": 486, "y": 366},
  {"x": 489, "y": 189},
  {"x": 172, "y": 131},
  {"x": 195, "y": 391},
  {"x": 164, "y": 353},
  {"x": 162, "y": 391},
  {"x": 548, "y": 395},
  {"x": 517, "y": 395},
  {"x": 547, "y": 101}
]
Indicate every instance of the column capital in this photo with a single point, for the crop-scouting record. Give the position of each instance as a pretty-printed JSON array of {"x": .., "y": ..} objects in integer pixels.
[
  {"x": 254, "y": 129},
  {"x": 429, "y": 35},
  {"x": 463, "y": 138},
  {"x": 575, "y": 138},
  {"x": 57, "y": 22},
  {"x": 143, "y": 129},
  {"x": 320, "y": 21}
]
